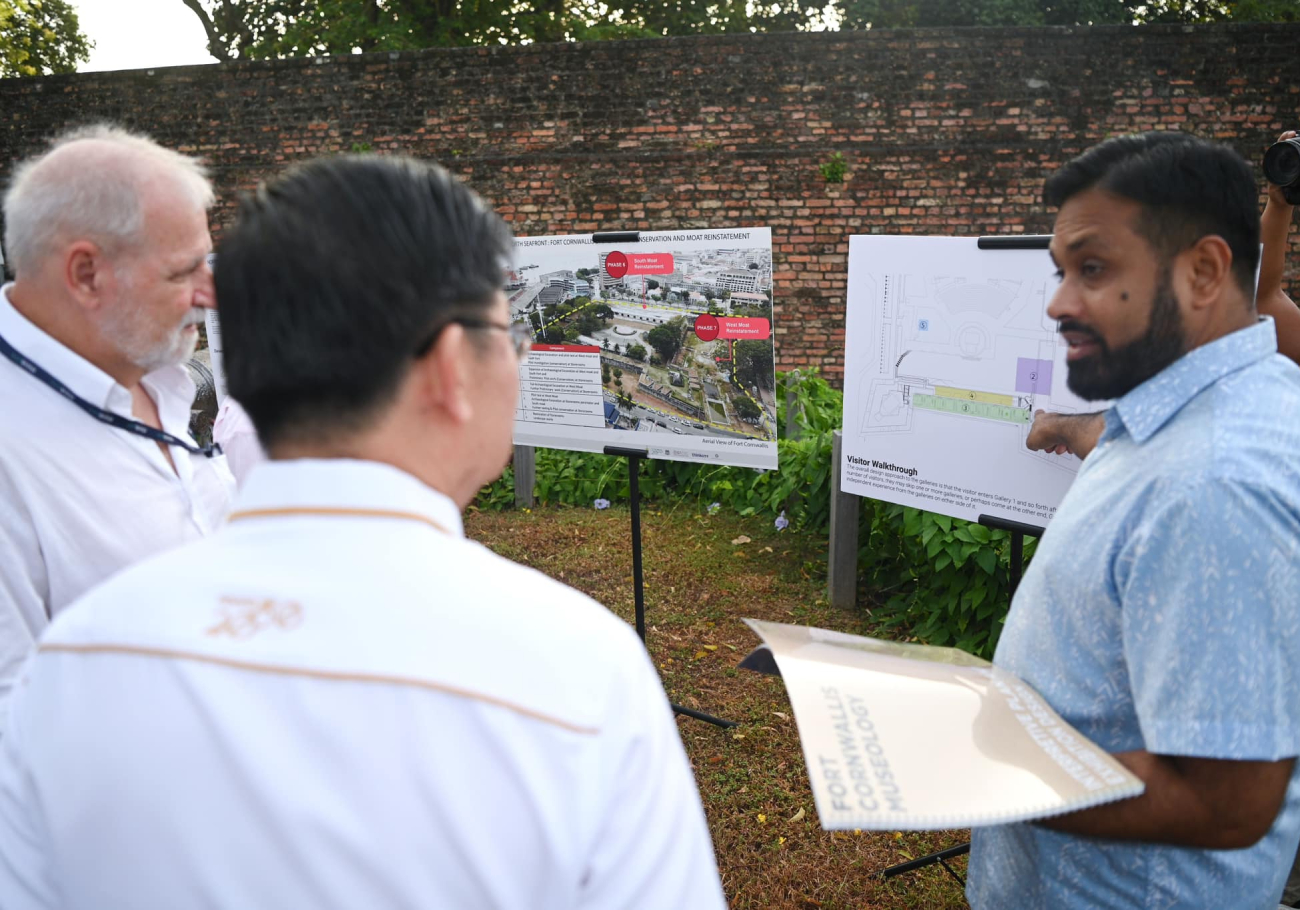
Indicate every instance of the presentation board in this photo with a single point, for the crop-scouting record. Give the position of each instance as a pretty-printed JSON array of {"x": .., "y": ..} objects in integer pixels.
[
  {"x": 216, "y": 351},
  {"x": 659, "y": 341},
  {"x": 948, "y": 353}
]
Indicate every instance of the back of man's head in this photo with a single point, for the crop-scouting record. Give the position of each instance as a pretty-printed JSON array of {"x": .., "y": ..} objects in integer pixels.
[
  {"x": 1187, "y": 188},
  {"x": 332, "y": 278},
  {"x": 91, "y": 184}
]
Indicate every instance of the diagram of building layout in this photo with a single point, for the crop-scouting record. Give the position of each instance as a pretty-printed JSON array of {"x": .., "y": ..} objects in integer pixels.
[{"x": 949, "y": 352}]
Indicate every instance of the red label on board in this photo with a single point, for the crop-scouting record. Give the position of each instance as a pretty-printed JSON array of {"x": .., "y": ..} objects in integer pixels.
[
  {"x": 756, "y": 329},
  {"x": 616, "y": 265},
  {"x": 706, "y": 327},
  {"x": 648, "y": 264}
]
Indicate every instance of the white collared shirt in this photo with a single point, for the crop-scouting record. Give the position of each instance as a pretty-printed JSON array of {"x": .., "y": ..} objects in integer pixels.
[
  {"x": 234, "y": 431},
  {"x": 337, "y": 701},
  {"x": 79, "y": 499}
]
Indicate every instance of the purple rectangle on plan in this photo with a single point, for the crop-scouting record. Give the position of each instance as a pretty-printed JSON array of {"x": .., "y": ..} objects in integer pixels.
[{"x": 1033, "y": 375}]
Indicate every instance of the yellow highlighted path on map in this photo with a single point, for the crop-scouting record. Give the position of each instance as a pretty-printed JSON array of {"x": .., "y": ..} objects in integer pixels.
[{"x": 943, "y": 391}]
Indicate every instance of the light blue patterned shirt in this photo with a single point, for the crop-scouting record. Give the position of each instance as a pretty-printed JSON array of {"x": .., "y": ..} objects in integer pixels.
[{"x": 1162, "y": 612}]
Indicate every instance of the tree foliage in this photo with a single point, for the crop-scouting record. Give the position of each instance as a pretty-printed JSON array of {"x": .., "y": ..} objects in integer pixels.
[
  {"x": 754, "y": 363},
  {"x": 746, "y": 408},
  {"x": 860, "y": 14},
  {"x": 40, "y": 37},
  {"x": 667, "y": 339},
  {"x": 261, "y": 29},
  {"x": 1264, "y": 11}
]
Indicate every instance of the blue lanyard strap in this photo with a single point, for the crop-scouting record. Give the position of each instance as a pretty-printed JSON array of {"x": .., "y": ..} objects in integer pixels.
[{"x": 108, "y": 417}]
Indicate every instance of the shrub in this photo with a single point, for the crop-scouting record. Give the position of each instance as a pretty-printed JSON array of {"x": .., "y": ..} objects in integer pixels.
[{"x": 942, "y": 580}]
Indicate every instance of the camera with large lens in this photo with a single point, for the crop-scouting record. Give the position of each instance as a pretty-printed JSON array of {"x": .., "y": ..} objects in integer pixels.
[{"x": 1282, "y": 167}]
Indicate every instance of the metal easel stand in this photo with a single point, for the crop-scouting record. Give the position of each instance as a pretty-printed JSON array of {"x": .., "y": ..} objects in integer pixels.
[{"x": 634, "y": 457}]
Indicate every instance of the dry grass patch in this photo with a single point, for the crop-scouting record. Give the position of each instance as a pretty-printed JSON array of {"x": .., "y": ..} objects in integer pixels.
[{"x": 702, "y": 575}]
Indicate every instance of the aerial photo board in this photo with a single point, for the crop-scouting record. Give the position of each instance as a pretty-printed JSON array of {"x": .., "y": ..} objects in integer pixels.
[
  {"x": 949, "y": 351},
  {"x": 216, "y": 348},
  {"x": 659, "y": 341}
]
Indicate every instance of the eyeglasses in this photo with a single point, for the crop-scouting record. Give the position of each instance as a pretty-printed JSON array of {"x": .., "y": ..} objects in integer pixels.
[{"x": 521, "y": 336}]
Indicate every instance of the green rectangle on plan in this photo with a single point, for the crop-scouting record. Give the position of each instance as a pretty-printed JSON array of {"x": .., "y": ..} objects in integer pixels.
[{"x": 971, "y": 408}]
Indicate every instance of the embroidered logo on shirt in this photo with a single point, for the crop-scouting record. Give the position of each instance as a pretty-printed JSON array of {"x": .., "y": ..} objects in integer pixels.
[{"x": 244, "y": 617}]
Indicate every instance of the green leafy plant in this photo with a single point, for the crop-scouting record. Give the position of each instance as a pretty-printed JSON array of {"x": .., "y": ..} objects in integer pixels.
[
  {"x": 834, "y": 168},
  {"x": 498, "y": 495},
  {"x": 942, "y": 580},
  {"x": 938, "y": 579}
]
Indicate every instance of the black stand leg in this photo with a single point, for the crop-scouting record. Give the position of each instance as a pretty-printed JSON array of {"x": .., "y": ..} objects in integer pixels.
[
  {"x": 1017, "y": 559},
  {"x": 701, "y": 715},
  {"x": 1018, "y": 532},
  {"x": 638, "y": 579},
  {"x": 941, "y": 857}
]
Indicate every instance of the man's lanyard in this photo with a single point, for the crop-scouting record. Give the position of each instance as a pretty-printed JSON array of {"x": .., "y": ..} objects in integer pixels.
[{"x": 108, "y": 417}]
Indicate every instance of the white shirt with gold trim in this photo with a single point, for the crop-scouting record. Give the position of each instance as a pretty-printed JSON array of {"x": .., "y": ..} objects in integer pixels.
[
  {"x": 337, "y": 701},
  {"x": 79, "y": 499}
]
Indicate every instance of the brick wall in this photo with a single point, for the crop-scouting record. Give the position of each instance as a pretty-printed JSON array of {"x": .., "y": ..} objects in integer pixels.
[{"x": 944, "y": 131}]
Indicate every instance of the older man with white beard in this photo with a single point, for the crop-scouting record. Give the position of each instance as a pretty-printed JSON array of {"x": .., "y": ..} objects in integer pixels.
[{"x": 107, "y": 236}]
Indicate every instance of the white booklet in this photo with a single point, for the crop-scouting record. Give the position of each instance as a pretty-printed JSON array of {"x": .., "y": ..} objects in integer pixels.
[{"x": 910, "y": 737}]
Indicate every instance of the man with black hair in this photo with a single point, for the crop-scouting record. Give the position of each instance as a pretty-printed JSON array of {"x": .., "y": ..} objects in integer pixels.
[
  {"x": 1078, "y": 433},
  {"x": 1159, "y": 614},
  {"x": 338, "y": 700}
]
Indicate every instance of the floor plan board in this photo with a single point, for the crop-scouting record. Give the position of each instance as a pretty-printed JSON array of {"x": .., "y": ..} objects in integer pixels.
[{"x": 949, "y": 352}]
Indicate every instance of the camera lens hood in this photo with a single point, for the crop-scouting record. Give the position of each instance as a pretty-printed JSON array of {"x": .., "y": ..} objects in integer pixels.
[{"x": 1282, "y": 167}]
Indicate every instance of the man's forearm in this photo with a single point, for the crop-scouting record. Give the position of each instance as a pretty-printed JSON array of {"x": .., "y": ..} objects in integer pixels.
[
  {"x": 1083, "y": 431},
  {"x": 1270, "y": 299},
  {"x": 1274, "y": 224},
  {"x": 1060, "y": 433},
  {"x": 1205, "y": 803},
  {"x": 1286, "y": 322}
]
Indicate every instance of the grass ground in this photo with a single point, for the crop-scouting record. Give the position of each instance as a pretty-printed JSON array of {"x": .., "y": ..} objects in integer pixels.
[{"x": 702, "y": 575}]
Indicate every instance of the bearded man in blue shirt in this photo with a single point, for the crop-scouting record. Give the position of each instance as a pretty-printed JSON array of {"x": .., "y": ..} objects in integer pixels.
[{"x": 1161, "y": 613}]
